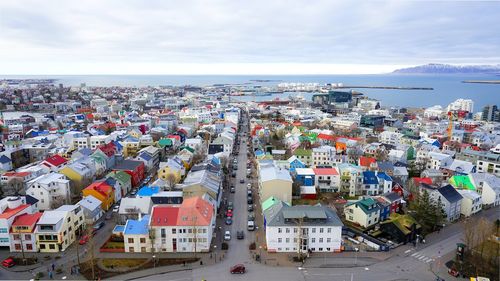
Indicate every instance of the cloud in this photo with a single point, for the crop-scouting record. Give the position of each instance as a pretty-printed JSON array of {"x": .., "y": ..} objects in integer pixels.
[{"x": 45, "y": 36}]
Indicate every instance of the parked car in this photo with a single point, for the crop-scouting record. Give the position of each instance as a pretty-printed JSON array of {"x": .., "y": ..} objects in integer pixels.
[
  {"x": 240, "y": 235},
  {"x": 233, "y": 174},
  {"x": 229, "y": 205},
  {"x": 249, "y": 186},
  {"x": 116, "y": 208},
  {"x": 242, "y": 180},
  {"x": 8, "y": 262},
  {"x": 250, "y": 208},
  {"x": 249, "y": 193},
  {"x": 249, "y": 200},
  {"x": 98, "y": 225},
  {"x": 133, "y": 192},
  {"x": 84, "y": 240},
  {"x": 239, "y": 268},
  {"x": 232, "y": 190},
  {"x": 229, "y": 214},
  {"x": 229, "y": 221},
  {"x": 251, "y": 216},
  {"x": 251, "y": 225},
  {"x": 227, "y": 235}
]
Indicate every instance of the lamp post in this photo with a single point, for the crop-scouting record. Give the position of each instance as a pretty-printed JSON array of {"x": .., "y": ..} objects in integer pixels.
[
  {"x": 154, "y": 261},
  {"x": 356, "y": 257},
  {"x": 260, "y": 254},
  {"x": 215, "y": 253}
]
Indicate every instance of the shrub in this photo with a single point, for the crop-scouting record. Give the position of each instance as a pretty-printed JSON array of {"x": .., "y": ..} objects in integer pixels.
[{"x": 224, "y": 246}]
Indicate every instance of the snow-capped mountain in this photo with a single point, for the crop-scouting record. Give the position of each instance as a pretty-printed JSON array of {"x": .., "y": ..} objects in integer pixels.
[{"x": 447, "y": 68}]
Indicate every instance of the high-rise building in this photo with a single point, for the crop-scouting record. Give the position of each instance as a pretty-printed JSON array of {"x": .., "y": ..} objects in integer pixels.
[
  {"x": 491, "y": 113},
  {"x": 461, "y": 104}
]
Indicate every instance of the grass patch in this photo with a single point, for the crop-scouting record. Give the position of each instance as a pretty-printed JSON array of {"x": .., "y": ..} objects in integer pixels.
[
  {"x": 113, "y": 245},
  {"x": 122, "y": 263}
]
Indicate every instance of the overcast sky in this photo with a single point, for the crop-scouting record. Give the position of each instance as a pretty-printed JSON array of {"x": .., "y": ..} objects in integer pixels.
[{"x": 239, "y": 37}]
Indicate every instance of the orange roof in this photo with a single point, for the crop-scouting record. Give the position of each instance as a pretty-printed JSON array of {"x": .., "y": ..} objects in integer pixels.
[
  {"x": 422, "y": 180},
  {"x": 8, "y": 213},
  {"x": 366, "y": 161},
  {"x": 195, "y": 211}
]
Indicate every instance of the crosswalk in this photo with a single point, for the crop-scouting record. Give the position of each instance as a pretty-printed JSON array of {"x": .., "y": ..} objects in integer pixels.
[{"x": 420, "y": 257}]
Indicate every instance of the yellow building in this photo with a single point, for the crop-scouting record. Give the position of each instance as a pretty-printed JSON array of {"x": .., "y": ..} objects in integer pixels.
[
  {"x": 102, "y": 191},
  {"x": 275, "y": 182}
]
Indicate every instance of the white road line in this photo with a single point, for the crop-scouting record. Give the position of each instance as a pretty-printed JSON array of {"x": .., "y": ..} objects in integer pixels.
[
  {"x": 422, "y": 257},
  {"x": 407, "y": 251},
  {"x": 414, "y": 254},
  {"x": 427, "y": 260}
]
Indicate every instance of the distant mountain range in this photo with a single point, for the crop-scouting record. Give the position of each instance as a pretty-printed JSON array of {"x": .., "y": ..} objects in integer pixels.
[{"x": 447, "y": 68}]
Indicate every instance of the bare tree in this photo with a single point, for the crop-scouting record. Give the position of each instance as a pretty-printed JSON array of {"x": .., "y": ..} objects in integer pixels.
[
  {"x": 57, "y": 201},
  {"x": 14, "y": 186},
  {"x": 470, "y": 233},
  {"x": 171, "y": 180}
]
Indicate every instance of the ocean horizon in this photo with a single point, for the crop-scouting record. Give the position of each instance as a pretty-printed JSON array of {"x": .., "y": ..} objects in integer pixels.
[{"x": 446, "y": 87}]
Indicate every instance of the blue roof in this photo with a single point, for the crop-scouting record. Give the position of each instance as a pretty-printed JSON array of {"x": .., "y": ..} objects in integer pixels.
[
  {"x": 384, "y": 176},
  {"x": 148, "y": 191},
  {"x": 137, "y": 227},
  {"x": 145, "y": 156},
  {"x": 369, "y": 177},
  {"x": 4, "y": 159},
  {"x": 118, "y": 145},
  {"x": 118, "y": 228}
]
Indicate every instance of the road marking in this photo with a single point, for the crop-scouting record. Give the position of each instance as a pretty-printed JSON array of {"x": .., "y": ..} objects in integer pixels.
[
  {"x": 407, "y": 251},
  {"x": 422, "y": 257},
  {"x": 414, "y": 254}
]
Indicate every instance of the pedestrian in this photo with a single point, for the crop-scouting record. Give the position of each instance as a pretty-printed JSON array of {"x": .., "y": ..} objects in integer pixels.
[
  {"x": 53, "y": 266},
  {"x": 50, "y": 274},
  {"x": 71, "y": 270},
  {"x": 77, "y": 269}
]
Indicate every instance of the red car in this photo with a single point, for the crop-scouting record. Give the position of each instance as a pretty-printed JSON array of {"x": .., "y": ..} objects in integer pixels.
[
  {"x": 8, "y": 262},
  {"x": 229, "y": 214},
  {"x": 84, "y": 240},
  {"x": 239, "y": 268},
  {"x": 453, "y": 272}
]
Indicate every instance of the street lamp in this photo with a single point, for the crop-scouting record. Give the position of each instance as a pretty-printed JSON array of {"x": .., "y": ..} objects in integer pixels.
[
  {"x": 154, "y": 261},
  {"x": 356, "y": 257},
  {"x": 260, "y": 254},
  {"x": 215, "y": 253}
]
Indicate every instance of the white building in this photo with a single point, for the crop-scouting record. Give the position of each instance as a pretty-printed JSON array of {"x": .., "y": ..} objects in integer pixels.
[
  {"x": 10, "y": 208},
  {"x": 461, "y": 104},
  {"x": 471, "y": 202},
  {"x": 52, "y": 190},
  {"x": 302, "y": 229}
]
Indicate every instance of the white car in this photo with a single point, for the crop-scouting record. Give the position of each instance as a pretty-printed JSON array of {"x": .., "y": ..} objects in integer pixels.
[
  {"x": 116, "y": 208},
  {"x": 227, "y": 235}
]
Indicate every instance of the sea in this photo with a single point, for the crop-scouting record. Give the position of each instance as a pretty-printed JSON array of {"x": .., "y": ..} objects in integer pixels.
[{"x": 446, "y": 87}]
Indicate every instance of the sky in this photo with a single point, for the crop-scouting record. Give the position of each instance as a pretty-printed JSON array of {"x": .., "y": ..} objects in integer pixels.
[{"x": 243, "y": 37}]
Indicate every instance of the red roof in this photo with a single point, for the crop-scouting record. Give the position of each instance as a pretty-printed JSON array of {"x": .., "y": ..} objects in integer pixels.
[
  {"x": 326, "y": 137},
  {"x": 366, "y": 161},
  {"x": 325, "y": 171},
  {"x": 56, "y": 160},
  {"x": 108, "y": 149},
  {"x": 7, "y": 213},
  {"x": 164, "y": 216},
  {"x": 17, "y": 174},
  {"x": 101, "y": 187},
  {"x": 27, "y": 219},
  {"x": 177, "y": 137},
  {"x": 422, "y": 180}
]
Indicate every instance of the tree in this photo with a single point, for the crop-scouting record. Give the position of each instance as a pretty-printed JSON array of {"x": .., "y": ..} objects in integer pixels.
[
  {"x": 57, "y": 201},
  {"x": 14, "y": 186},
  {"x": 171, "y": 180},
  {"x": 426, "y": 212},
  {"x": 152, "y": 238}
]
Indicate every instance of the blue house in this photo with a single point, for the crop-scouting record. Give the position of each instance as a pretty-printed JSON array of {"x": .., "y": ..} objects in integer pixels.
[
  {"x": 370, "y": 183},
  {"x": 148, "y": 191},
  {"x": 295, "y": 163},
  {"x": 305, "y": 176},
  {"x": 385, "y": 208}
]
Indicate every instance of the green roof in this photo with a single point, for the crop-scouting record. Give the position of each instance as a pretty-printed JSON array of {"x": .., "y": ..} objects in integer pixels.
[
  {"x": 303, "y": 152},
  {"x": 187, "y": 147},
  {"x": 165, "y": 142},
  {"x": 462, "y": 182},
  {"x": 120, "y": 176},
  {"x": 402, "y": 222},
  {"x": 269, "y": 203}
]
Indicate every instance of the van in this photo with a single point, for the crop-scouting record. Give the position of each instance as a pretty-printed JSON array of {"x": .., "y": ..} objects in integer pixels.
[{"x": 250, "y": 225}]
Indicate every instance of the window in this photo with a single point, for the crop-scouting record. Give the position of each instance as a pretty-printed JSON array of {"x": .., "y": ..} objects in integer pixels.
[
  {"x": 287, "y": 230},
  {"x": 143, "y": 240},
  {"x": 17, "y": 247},
  {"x": 280, "y": 240},
  {"x": 279, "y": 229},
  {"x": 287, "y": 240},
  {"x": 52, "y": 246},
  {"x": 294, "y": 240},
  {"x": 329, "y": 230},
  {"x": 328, "y": 240},
  {"x": 29, "y": 247},
  {"x": 42, "y": 246},
  {"x": 174, "y": 231},
  {"x": 320, "y": 249},
  {"x": 143, "y": 249},
  {"x": 295, "y": 230},
  {"x": 131, "y": 249},
  {"x": 314, "y": 230},
  {"x": 4, "y": 230},
  {"x": 320, "y": 230},
  {"x": 131, "y": 240},
  {"x": 17, "y": 237},
  {"x": 320, "y": 240},
  {"x": 313, "y": 240},
  {"x": 163, "y": 233}
]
